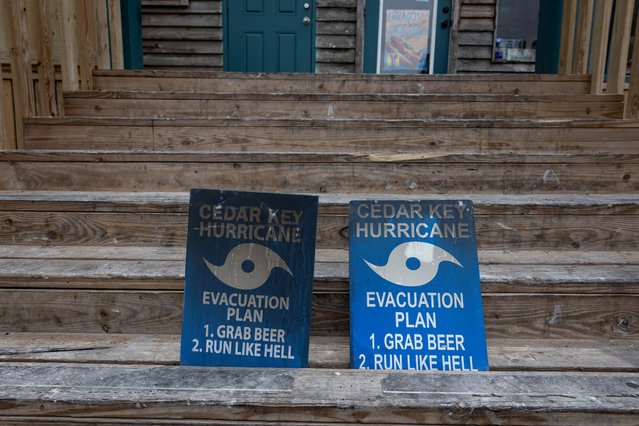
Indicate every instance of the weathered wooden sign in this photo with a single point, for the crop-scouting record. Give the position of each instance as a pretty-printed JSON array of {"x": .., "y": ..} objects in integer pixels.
[
  {"x": 414, "y": 286},
  {"x": 249, "y": 279}
]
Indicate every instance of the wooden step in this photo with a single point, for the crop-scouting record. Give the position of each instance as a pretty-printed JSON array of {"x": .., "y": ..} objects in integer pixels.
[
  {"x": 325, "y": 352},
  {"x": 78, "y": 290},
  {"x": 216, "y": 82},
  {"x": 149, "y": 393},
  {"x": 338, "y": 106},
  {"x": 305, "y": 135},
  {"x": 535, "y": 222},
  {"x": 412, "y": 173}
]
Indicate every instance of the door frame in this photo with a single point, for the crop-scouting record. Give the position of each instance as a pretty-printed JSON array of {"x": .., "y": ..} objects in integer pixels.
[{"x": 225, "y": 38}]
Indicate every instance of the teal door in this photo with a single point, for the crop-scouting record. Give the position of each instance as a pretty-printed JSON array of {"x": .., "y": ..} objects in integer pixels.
[
  {"x": 437, "y": 52},
  {"x": 269, "y": 35}
]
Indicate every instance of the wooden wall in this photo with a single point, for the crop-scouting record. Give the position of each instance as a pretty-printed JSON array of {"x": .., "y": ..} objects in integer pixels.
[
  {"x": 182, "y": 34},
  {"x": 471, "y": 45},
  {"x": 336, "y": 36},
  {"x": 188, "y": 34}
]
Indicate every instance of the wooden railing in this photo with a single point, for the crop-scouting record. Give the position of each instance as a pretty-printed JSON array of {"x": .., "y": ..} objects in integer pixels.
[
  {"x": 47, "y": 46},
  {"x": 596, "y": 41}
]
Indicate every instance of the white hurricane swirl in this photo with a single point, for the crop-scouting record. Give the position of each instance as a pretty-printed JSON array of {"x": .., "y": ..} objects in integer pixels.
[
  {"x": 231, "y": 273},
  {"x": 429, "y": 256}
]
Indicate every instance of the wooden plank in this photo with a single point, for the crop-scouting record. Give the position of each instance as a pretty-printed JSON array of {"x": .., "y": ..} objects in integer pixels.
[
  {"x": 360, "y": 35},
  {"x": 70, "y": 50},
  {"x": 329, "y": 68},
  {"x": 307, "y": 395},
  {"x": 185, "y": 60},
  {"x": 336, "y": 14},
  {"x": 619, "y": 46},
  {"x": 441, "y": 177},
  {"x": 357, "y": 136},
  {"x": 339, "y": 56},
  {"x": 101, "y": 28},
  {"x": 480, "y": 66},
  {"x": 475, "y": 52},
  {"x": 142, "y": 104},
  {"x": 599, "y": 45},
  {"x": 583, "y": 37},
  {"x": 87, "y": 54},
  {"x": 632, "y": 97},
  {"x": 563, "y": 204},
  {"x": 81, "y": 137},
  {"x": 504, "y": 232},
  {"x": 4, "y": 119},
  {"x": 335, "y": 42},
  {"x": 335, "y": 28},
  {"x": 154, "y": 3},
  {"x": 325, "y": 352},
  {"x": 454, "y": 37},
  {"x": 336, "y": 3},
  {"x": 269, "y": 83},
  {"x": 10, "y": 129},
  {"x": 23, "y": 96},
  {"x": 200, "y": 19},
  {"x": 47, "y": 20},
  {"x": 179, "y": 47},
  {"x": 481, "y": 24},
  {"x": 335, "y": 256},
  {"x": 186, "y": 33},
  {"x": 115, "y": 34},
  {"x": 506, "y": 315},
  {"x": 330, "y": 277},
  {"x": 567, "y": 45},
  {"x": 475, "y": 38},
  {"x": 478, "y": 11}
]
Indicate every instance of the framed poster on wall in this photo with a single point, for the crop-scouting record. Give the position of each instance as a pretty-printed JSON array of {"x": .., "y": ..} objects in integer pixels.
[{"x": 406, "y": 34}]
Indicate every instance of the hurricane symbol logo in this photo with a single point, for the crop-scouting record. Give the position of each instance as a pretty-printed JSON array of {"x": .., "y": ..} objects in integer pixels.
[
  {"x": 247, "y": 266},
  {"x": 413, "y": 264}
]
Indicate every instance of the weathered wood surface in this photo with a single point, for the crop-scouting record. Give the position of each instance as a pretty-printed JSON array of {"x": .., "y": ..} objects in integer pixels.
[
  {"x": 339, "y": 106},
  {"x": 550, "y": 222},
  {"x": 201, "y": 81},
  {"x": 318, "y": 396},
  {"x": 181, "y": 27},
  {"x": 155, "y": 274},
  {"x": 497, "y": 136},
  {"x": 506, "y": 315},
  {"x": 486, "y": 257},
  {"x": 494, "y": 231},
  {"x": 325, "y": 352},
  {"x": 319, "y": 173}
]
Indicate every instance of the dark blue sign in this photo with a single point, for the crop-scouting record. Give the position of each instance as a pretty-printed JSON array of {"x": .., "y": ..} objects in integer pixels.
[
  {"x": 414, "y": 286},
  {"x": 249, "y": 279}
]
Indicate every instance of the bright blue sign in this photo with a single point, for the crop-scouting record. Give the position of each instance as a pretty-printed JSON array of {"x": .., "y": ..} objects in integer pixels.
[
  {"x": 414, "y": 287},
  {"x": 249, "y": 279}
]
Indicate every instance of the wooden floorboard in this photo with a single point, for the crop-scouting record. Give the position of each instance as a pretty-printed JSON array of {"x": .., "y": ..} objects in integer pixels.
[
  {"x": 523, "y": 315},
  {"x": 486, "y": 257},
  {"x": 317, "y": 395},
  {"x": 395, "y": 174},
  {"x": 300, "y": 136},
  {"x": 162, "y": 274},
  {"x": 189, "y": 105},
  {"x": 528, "y": 222},
  {"x": 346, "y": 83},
  {"x": 325, "y": 352}
]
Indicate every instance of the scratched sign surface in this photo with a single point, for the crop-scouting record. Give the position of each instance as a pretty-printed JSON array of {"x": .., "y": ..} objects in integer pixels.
[
  {"x": 414, "y": 286},
  {"x": 249, "y": 279}
]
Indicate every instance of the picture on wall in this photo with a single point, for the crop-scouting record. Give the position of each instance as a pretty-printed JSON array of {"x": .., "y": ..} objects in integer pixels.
[{"x": 406, "y": 36}]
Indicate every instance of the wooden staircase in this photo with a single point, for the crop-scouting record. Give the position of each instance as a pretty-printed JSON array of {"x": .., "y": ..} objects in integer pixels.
[{"x": 93, "y": 228}]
